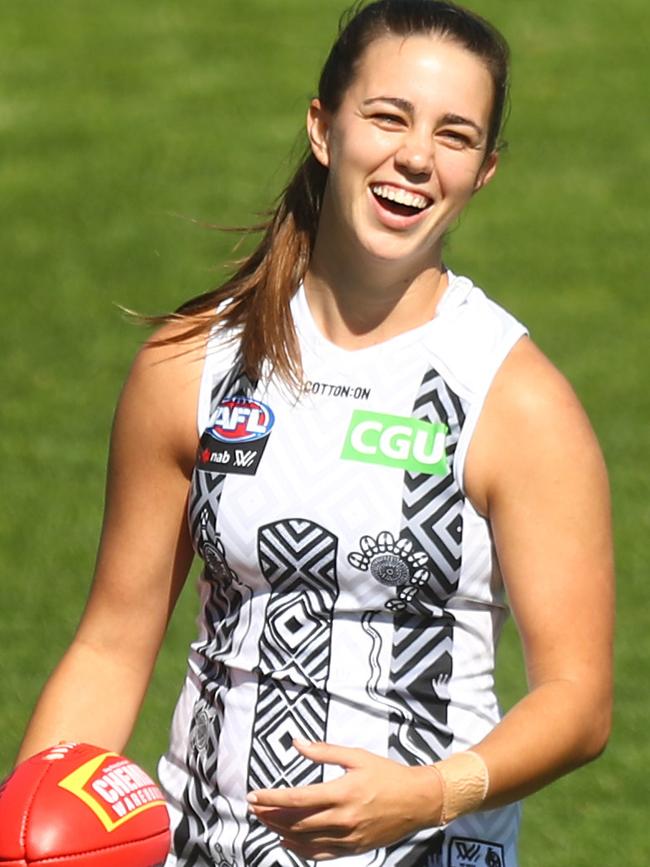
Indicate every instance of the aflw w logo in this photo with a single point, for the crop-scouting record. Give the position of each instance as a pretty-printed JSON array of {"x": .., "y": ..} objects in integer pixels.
[
  {"x": 475, "y": 853},
  {"x": 244, "y": 459},
  {"x": 468, "y": 851}
]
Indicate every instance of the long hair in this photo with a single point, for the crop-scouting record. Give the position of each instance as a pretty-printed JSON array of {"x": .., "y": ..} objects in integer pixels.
[{"x": 253, "y": 305}]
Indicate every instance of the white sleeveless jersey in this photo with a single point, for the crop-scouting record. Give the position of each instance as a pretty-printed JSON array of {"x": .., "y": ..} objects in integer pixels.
[{"x": 350, "y": 592}]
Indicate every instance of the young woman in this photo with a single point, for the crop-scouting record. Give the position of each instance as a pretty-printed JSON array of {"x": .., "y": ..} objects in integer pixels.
[{"x": 381, "y": 455}]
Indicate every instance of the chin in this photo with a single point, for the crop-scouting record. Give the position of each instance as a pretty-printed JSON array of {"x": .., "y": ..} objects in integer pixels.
[{"x": 395, "y": 250}]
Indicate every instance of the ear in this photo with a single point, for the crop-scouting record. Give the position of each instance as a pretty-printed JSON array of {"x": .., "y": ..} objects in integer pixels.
[
  {"x": 487, "y": 172},
  {"x": 318, "y": 128}
]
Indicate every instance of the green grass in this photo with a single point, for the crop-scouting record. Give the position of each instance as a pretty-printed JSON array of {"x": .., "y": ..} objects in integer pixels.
[{"x": 121, "y": 123}]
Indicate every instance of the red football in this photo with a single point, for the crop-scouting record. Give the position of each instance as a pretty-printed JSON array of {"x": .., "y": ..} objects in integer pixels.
[{"x": 81, "y": 806}]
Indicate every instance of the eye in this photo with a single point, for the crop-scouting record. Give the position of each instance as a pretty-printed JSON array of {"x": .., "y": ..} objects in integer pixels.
[
  {"x": 456, "y": 138},
  {"x": 388, "y": 120}
]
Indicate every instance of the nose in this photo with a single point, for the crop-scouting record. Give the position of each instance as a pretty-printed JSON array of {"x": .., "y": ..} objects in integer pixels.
[{"x": 415, "y": 155}]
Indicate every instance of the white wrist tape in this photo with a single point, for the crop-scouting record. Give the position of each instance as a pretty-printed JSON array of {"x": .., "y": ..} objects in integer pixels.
[{"x": 465, "y": 782}]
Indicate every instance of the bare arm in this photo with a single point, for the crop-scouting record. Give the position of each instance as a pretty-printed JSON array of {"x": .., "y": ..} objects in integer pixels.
[
  {"x": 97, "y": 689},
  {"x": 544, "y": 488},
  {"x": 535, "y": 470}
]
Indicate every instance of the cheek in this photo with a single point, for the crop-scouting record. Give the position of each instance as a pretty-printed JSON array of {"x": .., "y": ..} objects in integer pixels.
[
  {"x": 458, "y": 172},
  {"x": 358, "y": 151}
]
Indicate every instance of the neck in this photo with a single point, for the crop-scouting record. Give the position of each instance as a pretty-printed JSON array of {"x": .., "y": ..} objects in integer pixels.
[{"x": 358, "y": 302}]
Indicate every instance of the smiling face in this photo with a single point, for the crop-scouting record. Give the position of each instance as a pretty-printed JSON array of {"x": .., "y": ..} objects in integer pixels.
[{"x": 406, "y": 150}]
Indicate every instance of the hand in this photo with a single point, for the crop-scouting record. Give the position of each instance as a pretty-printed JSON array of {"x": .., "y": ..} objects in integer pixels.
[{"x": 376, "y": 802}]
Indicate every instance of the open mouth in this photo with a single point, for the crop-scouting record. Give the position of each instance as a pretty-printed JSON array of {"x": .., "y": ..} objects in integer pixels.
[{"x": 399, "y": 201}]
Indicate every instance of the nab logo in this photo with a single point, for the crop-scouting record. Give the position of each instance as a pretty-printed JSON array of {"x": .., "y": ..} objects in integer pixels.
[
  {"x": 241, "y": 420},
  {"x": 238, "y": 421},
  {"x": 397, "y": 441}
]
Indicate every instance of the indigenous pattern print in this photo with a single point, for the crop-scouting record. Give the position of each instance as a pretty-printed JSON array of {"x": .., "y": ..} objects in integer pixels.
[
  {"x": 207, "y": 487},
  {"x": 421, "y": 665},
  {"x": 346, "y": 597},
  {"x": 298, "y": 559},
  {"x": 432, "y": 507},
  {"x": 432, "y": 519},
  {"x": 200, "y": 817}
]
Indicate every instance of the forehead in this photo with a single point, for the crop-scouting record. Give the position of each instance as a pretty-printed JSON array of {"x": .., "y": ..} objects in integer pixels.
[{"x": 426, "y": 70}]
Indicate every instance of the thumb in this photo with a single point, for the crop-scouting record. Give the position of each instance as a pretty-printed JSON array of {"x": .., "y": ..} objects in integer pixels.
[{"x": 330, "y": 754}]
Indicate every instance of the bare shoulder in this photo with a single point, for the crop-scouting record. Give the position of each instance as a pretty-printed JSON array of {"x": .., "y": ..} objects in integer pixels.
[
  {"x": 528, "y": 384},
  {"x": 160, "y": 395},
  {"x": 532, "y": 424},
  {"x": 168, "y": 357}
]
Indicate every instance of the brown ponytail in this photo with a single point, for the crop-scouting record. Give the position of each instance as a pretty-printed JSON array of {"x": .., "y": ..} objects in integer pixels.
[{"x": 253, "y": 304}]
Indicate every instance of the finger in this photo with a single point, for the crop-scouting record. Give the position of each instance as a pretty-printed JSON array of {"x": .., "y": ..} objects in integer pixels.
[
  {"x": 283, "y": 822},
  {"x": 321, "y": 827},
  {"x": 303, "y": 797},
  {"x": 331, "y": 754},
  {"x": 319, "y": 852}
]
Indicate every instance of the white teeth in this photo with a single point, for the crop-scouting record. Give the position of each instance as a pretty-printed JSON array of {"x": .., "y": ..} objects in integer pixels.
[{"x": 402, "y": 197}]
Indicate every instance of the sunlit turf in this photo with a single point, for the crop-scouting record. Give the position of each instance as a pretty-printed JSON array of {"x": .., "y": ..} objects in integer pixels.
[{"x": 122, "y": 123}]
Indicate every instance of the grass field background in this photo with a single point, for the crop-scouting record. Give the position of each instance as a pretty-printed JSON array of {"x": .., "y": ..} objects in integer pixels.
[{"x": 122, "y": 124}]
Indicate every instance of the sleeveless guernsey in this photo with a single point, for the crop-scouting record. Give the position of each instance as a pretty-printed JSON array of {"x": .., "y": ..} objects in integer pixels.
[{"x": 350, "y": 591}]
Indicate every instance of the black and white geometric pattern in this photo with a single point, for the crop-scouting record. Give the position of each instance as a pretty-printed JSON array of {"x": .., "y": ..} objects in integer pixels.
[
  {"x": 419, "y": 731},
  {"x": 298, "y": 559},
  {"x": 193, "y": 836},
  {"x": 432, "y": 506},
  {"x": 227, "y": 594},
  {"x": 207, "y": 487},
  {"x": 341, "y": 624},
  {"x": 421, "y": 664},
  {"x": 424, "y": 849},
  {"x": 200, "y": 818}
]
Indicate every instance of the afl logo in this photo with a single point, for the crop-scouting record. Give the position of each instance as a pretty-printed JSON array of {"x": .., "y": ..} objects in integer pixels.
[{"x": 241, "y": 420}]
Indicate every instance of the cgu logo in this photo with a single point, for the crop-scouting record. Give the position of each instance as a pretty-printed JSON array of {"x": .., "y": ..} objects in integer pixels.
[
  {"x": 242, "y": 419},
  {"x": 397, "y": 441}
]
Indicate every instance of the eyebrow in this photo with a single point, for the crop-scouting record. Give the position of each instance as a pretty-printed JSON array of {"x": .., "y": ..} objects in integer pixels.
[
  {"x": 397, "y": 101},
  {"x": 406, "y": 106},
  {"x": 462, "y": 121}
]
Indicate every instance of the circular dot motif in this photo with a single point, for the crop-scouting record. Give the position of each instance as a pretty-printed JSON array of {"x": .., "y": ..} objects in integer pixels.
[
  {"x": 390, "y": 570},
  {"x": 201, "y": 731},
  {"x": 214, "y": 563}
]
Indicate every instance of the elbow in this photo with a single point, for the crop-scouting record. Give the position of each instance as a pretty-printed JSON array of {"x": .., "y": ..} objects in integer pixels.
[
  {"x": 596, "y": 734},
  {"x": 594, "y": 747},
  {"x": 600, "y": 739}
]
